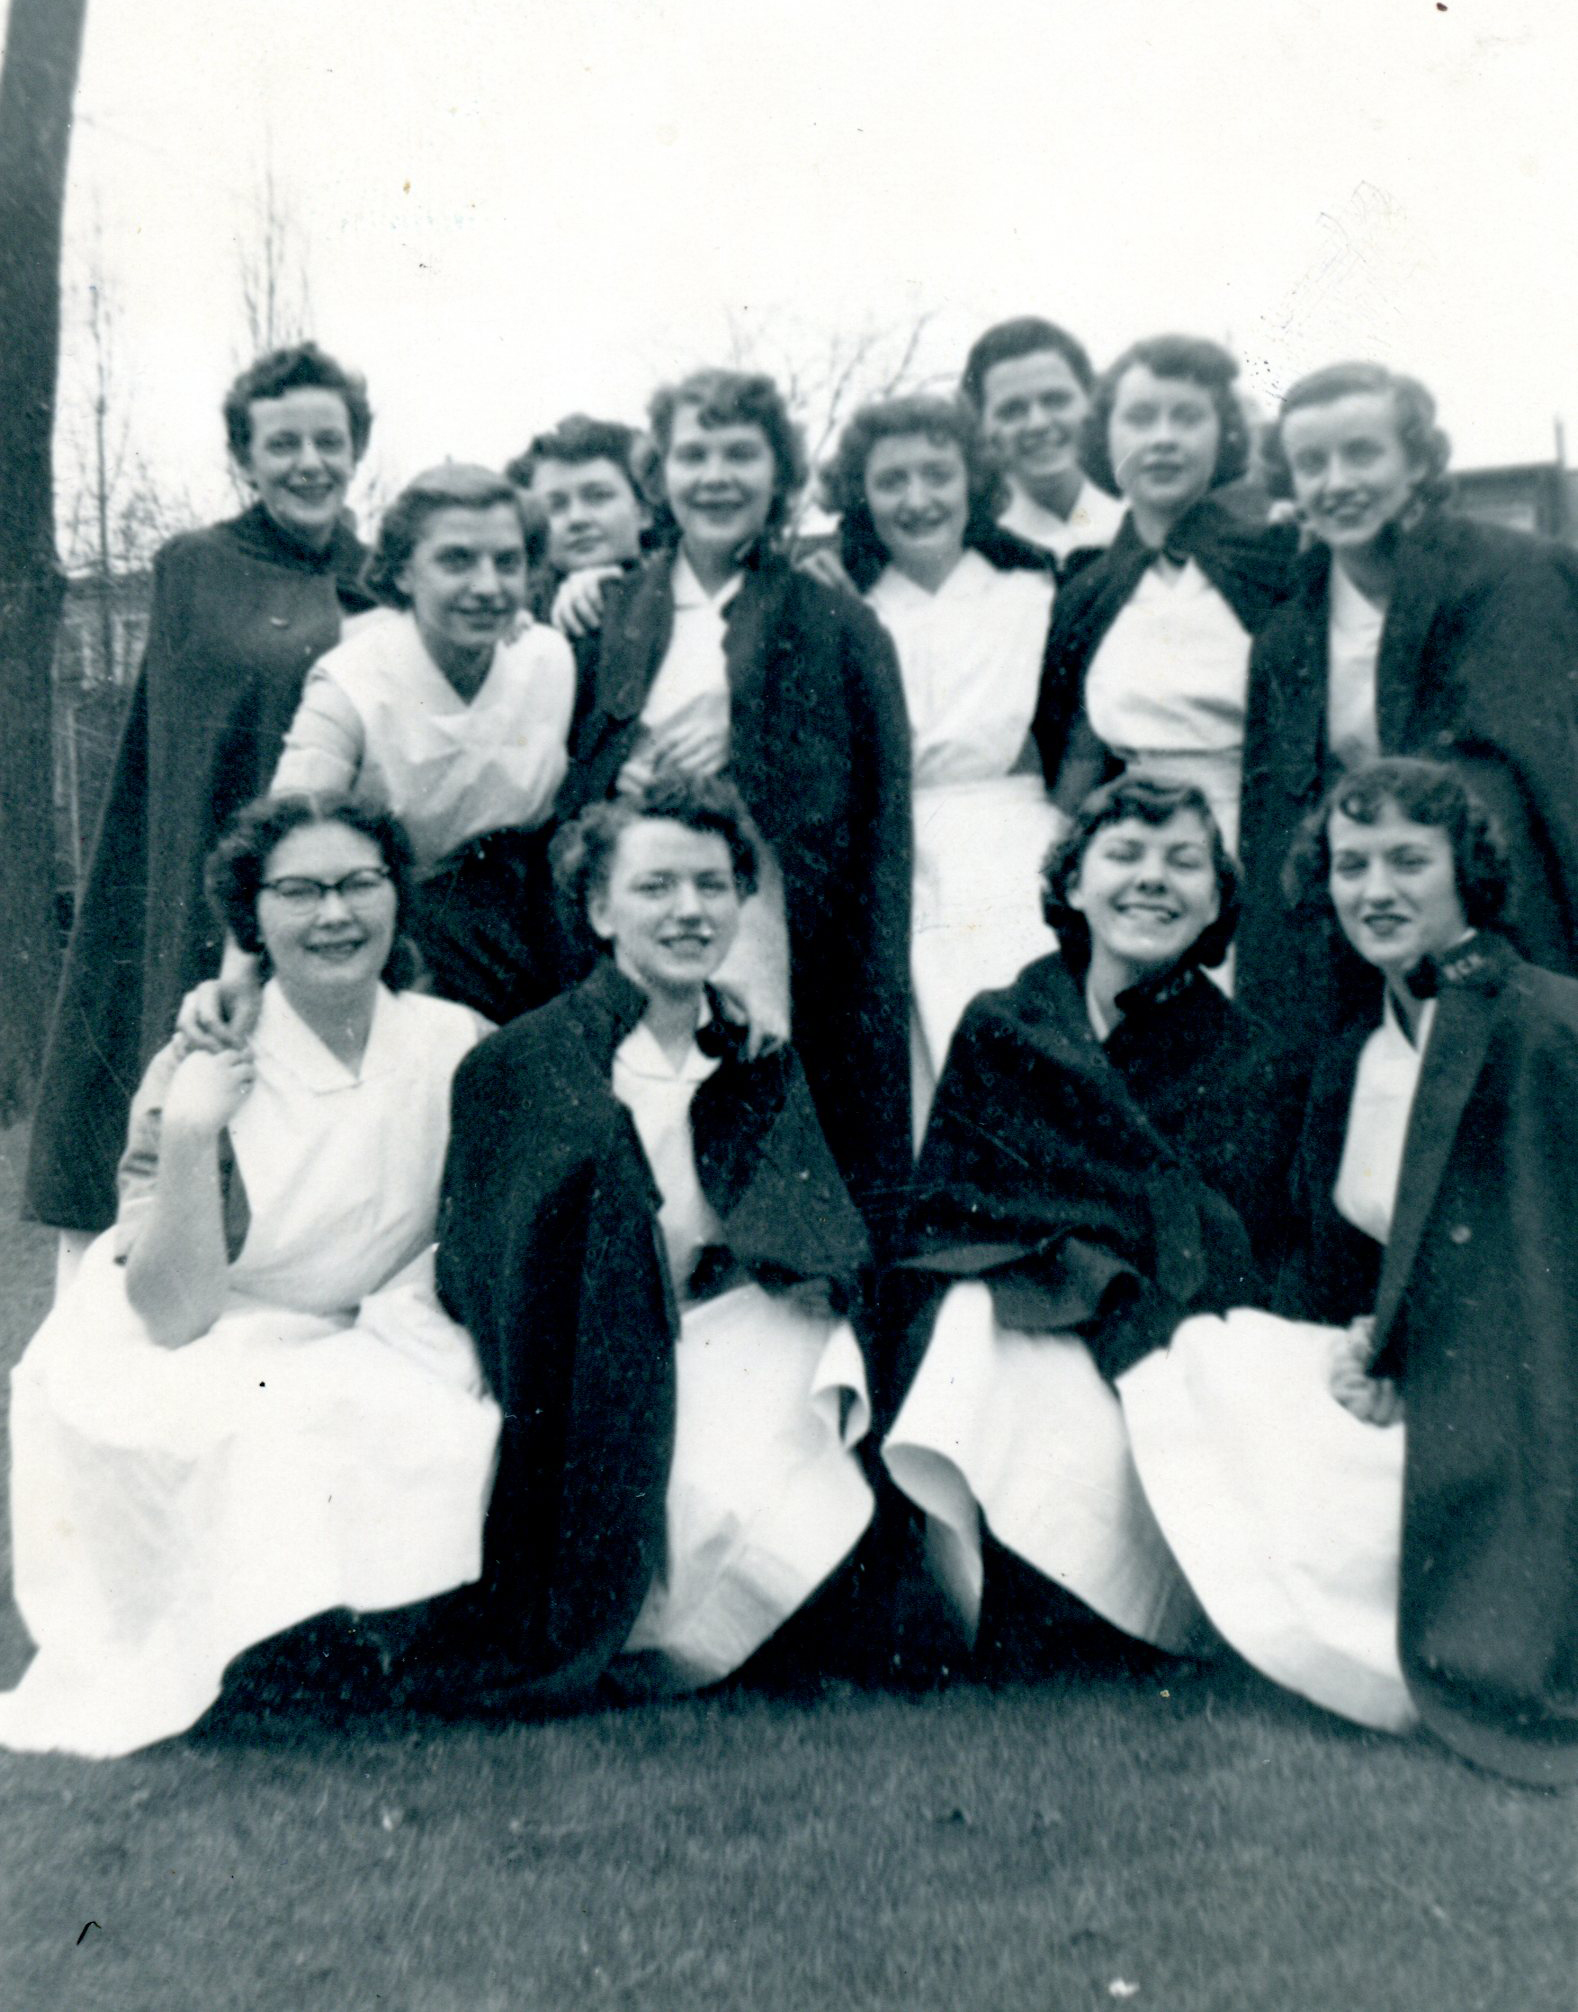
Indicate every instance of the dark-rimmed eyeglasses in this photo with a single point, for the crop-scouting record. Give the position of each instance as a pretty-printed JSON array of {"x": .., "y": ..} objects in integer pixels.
[{"x": 356, "y": 889}]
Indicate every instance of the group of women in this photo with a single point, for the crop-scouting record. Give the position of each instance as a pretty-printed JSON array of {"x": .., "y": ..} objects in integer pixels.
[{"x": 878, "y": 1047}]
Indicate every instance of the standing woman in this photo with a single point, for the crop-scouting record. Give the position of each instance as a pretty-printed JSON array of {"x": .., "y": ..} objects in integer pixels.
[
  {"x": 1410, "y": 631},
  {"x": 718, "y": 656},
  {"x": 913, "y": 493},
  {"x": 240, "y": 612},
  {"x": 1148, "y": 660},
  {"x": 453, "y": 718},
  {"x": 644, "y": 1231},
  {"x": 1381, "y": 1511}
]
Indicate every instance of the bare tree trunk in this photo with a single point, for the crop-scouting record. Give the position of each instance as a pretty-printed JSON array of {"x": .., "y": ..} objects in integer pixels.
[{"x": 43, "y": 48}]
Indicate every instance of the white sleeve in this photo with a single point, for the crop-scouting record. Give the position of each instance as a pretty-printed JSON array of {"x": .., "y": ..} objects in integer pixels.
[{"x": 326, "y": 741}]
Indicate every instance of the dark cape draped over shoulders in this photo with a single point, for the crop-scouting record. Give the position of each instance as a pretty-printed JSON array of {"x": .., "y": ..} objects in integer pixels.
[
  {"x": 821, "y": 755},
  {"x": 1478, "y": 667},
  {"x": 1248, "y": 564},
  {"x": 1476, "y": 1310},
  {"x": 1105, "y": 1190},
  {"x": 238, "y": 617},
  {"x": 550, "y": 1253}
]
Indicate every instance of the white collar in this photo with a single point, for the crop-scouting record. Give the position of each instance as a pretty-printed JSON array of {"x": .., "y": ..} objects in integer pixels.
[
  {"x": 690, "y": 593},
  {"x": 289, "y": 1044}
]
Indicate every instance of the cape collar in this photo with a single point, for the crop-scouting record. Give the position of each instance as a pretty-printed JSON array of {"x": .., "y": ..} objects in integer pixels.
[
  {"x": 1479, "y": 963},
  {"x": 610, "y": 1006},
  {"x": 343, "y": 557}
]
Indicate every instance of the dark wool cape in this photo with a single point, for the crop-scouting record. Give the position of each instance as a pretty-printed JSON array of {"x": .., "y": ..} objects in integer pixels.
[
  {"x": 1248, "y": 564},
  {"x": 550, "y": 1253},
  {"x": 239, "y": 616},
  {"x": 1109, "y": 1190},
  {"x": 1476, "y": 1314},
  {"x": 1478, "y": 666},
  {"x": 821, "y": 755}
]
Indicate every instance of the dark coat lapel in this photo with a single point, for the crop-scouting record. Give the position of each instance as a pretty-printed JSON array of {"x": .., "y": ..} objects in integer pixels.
[{"x": 1464, "y": 1018}]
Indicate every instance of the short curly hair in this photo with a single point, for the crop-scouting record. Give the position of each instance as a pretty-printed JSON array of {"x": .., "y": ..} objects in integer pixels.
[
  {"x": 578, "y": 437},
  {"x": 1414, "y": 409},
  {"x": 1007, "y": 341},
  {"x": 1197, "y": 361},
  {"x": 234, "y": 871},
  {"x": 1424, "y": 792},
  {"x": 452, "y": 485},
  {"x": 1152, "y": 801},
  {"x": 301, "y": 367},
  {"x": 582, "y": 853},
  {"x": 941, "y": 421},
  {"x": 723, "y": 398}
]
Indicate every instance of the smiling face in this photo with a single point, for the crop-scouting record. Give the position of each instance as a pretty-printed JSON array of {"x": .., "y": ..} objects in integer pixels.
[
  {"x": 595, "y": 517},
  {"x": 918, "y": 493},
  {"x": 332, "y": 949},
  {"x": 466, "y": 578},
  {"x": 1032, "y": 408},
  {"x": 1146, "y": 892},
  {"x": 1352, "y": 475},
  {"x": 719, "y": 481},
  {"x": 1394, "y": 887},
  {"x": 671, "y": 907},
  {"x": 300, "y": 462},
  {"x": 1163, "y": 439}
]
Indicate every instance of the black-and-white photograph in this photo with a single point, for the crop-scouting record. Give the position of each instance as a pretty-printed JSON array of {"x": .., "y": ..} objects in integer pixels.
[{"x": 789, "y": 1024}]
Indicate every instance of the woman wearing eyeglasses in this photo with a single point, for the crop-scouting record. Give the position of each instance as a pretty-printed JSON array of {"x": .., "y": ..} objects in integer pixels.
[{"x": 248, "y": 1409}]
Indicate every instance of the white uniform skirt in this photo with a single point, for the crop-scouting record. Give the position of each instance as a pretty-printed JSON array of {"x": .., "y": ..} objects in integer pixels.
[
  {"x": 765, "y": 1497},
  {"x": 1284, "y": 1510},
  {"x": 1023, "y": 1431},
  {"x": 172, "y": 1507},
  {"x": 977, "y": 917}
]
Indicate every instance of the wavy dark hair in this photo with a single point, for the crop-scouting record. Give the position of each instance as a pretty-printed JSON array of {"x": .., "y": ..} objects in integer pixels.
[
  {"x": 579, "y": 437},
  {"x": 1025, "y": 335},
  {"x": 582, "y": 853},
  {"x": 234, "y": 871},
  {"x": 1425, "y": 792},
  {"x": 1138, "y": 795},
  {"x": 301, "y": 367},
  {"x": 1413, "y": 408},
  {"x": 723, "y": 398},
  {"x": 1196, "y": 361},
  {"x": 942, "y": 422},
  {"x": 452, "y": 485}
]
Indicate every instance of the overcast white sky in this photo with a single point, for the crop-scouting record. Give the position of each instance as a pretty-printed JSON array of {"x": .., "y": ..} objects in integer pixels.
[{"x": 515, "y": 207}]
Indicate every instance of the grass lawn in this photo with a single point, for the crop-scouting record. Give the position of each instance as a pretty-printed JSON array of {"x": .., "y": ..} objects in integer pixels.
[{"x": 1188, "y": 1841}]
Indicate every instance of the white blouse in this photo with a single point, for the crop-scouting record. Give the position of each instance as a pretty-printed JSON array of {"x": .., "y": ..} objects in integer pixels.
[
  {"x": 1091, "y": 525},
  {"x": 970, "y": 655},
  {"x": 658, "y": 1097},
  {"x": 379, "y": 720},
  {"x": 693, "y": 678},
  {"x": 1172, "y": 673},
  {"x": 1365, "y": 1192},
  {"x": 1353, "y": 647}
]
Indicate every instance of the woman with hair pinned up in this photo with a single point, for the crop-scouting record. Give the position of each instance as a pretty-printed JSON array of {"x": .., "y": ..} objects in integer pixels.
[
  {"x": 1374, "y": 1497},
  {"x": 718, "y": 657},
  {"x": 1148, "y": 659},
  {"x": 1410, "y": 630},
  {"x": 913, "y": 492}
]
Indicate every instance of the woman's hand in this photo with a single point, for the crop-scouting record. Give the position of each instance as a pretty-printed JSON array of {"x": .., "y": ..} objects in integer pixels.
[
  {"x": 578, "y": 605},
  {"x": 765, "y": 1028},
  {"x": 1374, "y": 1400},
  {"x": 223, "y": 1012},
  {"x": 827, "y": 569},
  {"x": 206, "y": 1091}
]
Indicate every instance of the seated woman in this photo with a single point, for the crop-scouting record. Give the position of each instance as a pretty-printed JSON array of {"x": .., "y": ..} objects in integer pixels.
[
  {"x": 719, "y": 657},
  {"x": 647, "y": 1236},
  {"x": 1410, "y": 630},
  {"x": 913, "y": 493},
  {"x": 1148, "y": 659},
  {"x": 1106, "y": 1154},
  {"x": 249, "y": 1409},
  {"x": 1381, "y": 1513}
]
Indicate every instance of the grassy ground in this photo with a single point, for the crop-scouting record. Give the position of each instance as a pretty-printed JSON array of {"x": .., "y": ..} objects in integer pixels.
[{"x": 1181, "y": 1841}]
